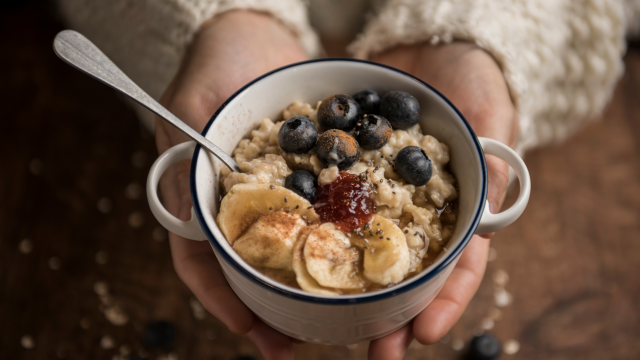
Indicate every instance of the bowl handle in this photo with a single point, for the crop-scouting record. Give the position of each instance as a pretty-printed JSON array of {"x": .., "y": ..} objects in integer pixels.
[
  {"x": 494, "y": 222},
  {"x": 187, "y": 229}
]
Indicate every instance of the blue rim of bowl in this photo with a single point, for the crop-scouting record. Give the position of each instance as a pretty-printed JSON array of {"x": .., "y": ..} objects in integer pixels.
[{"x": 346, "y": 300}]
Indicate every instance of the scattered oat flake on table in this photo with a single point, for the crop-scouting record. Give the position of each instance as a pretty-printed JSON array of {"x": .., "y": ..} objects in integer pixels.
[
  {"x": 27, "y": 342},
  {"x": 169, "y": 356},
  {"x": 102, "y": 257},
  {"x": 511, "y": 347},
  {"x": 457, "y": 344},
  {"x": 125, "y": 350},
  {"x": 159, "y": 234},
  {"x": 352, "y": 346},
  {"x": 54, "y": 263},
  {"x": 25, "y": 246},
  {"x": 501, "y": 298},
  {"x": 500, "y": 277},
  {"x": 495, "y": 314},
  {"x": 197, "y": 309},
  {"x": 36, "y": 166},
  {"x": 107, "y": 342},
  {"x": 487, "y": 324},
  {"x": 101, "y": 288},
  {"x": 493, "y": 254},
  {"x": 133, "y": 191},
  {"x": 104, "y": 205},
  {"x": 138, "y": 159},
  {"x": 136, "y": 220},
  {"x": 116, "y": 316},
  {"x": 85, "y": 323}
]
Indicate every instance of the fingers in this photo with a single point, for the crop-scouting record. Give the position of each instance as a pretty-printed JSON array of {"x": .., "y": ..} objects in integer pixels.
[
  {"x": 198, "y": 267},
  {"x": 272, "y": 344},
  {"x": 445, "y": 310},
  {"x": 392, "y": 346}
]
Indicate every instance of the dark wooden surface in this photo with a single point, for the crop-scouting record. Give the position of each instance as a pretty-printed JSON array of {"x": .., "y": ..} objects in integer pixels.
[{"x": 572, "y": 258}]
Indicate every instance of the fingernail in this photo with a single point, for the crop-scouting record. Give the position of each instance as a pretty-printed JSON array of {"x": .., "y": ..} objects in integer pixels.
[{"x": 493, "y": 207}]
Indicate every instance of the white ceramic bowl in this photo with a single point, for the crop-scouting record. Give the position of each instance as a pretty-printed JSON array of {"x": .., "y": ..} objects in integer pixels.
[{"x": 345, "y": 319}]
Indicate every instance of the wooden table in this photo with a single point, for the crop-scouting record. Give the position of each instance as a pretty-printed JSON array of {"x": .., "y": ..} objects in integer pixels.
[{"x": 75, "y": 161}]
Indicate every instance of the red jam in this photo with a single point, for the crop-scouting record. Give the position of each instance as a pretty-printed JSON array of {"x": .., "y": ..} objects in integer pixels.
[{"x": 345, "y": 202}]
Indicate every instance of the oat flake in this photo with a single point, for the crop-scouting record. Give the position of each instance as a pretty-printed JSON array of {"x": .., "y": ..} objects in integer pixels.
[
  {"x": 493, "y": 254},
  {"x": 511, "y": 347},
  {"x": 107, "y": 342},
  {"x": 54, "y": 263},
  {"x": 25, "y": 246},
  {"x": 159, "y": 234},
  {"x": 102, "y": 257},
  {"x": 502, "y": 298},
  {"x": 116, "y": 316},
  {"x": 495, "y": 314},
  {"x": 101, "y": 288},
  {"x": 487, "y": 324},
  {"x": 138, "y": 159},
  {"x": 136, "y": 220},
  {"x": 457, "y": 344},
  {"x": 133, "y": 191},
  {"x": 27, "y": 342},
  {"x": 85, "y": 323},
  {"x": 500, "y": 278},
  {"x": 104, "y": 205},
  {"x": 197, "y": 309}
]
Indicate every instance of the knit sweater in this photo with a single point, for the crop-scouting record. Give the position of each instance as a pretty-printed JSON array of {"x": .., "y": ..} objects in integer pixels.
[{"x": 560, "y": 58}]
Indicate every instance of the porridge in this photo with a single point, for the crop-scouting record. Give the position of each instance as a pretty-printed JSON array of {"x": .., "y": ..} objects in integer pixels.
[{"x": 341, "y": 197}]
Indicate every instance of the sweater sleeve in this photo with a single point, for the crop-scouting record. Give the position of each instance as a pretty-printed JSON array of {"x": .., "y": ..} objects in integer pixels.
[
  {"x": 560, "y": 58},
  {"x": 147, "y": 39}
]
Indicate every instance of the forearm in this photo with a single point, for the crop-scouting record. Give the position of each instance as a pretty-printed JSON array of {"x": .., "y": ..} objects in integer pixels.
[{"x": 148, "y": 40}]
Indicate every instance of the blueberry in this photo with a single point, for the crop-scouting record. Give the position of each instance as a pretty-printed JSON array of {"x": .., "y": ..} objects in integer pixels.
[
  {"x": 484, "y": 347},
  {"x": 338, "y": 112},
  {"x": 302, "y": 183},
  {"x": 336, "y": 147},
  {"x": 369, "y": 101},
  {"x": 373, "y": 132},
  {"x": 413, "y": 165},
  {"x": 298, "y": 135},
  {"x": 401, "y": 109},
  {"x": 159, "y": 335}
]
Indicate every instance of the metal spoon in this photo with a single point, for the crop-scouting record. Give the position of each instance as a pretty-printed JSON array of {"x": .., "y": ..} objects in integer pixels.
[{"x": 77, "y": 51}]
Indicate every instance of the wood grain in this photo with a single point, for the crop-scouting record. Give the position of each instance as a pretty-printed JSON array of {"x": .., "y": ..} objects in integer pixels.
[{"x": 572, "y": 258}]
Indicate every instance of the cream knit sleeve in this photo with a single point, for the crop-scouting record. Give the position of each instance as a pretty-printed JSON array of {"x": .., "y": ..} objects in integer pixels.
[
  {"x": 561, "y": 58},
  {"x": 147, "y": 39}
]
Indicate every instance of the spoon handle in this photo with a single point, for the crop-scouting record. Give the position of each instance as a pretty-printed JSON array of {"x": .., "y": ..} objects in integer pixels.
[{"x": 79, "y": 52}]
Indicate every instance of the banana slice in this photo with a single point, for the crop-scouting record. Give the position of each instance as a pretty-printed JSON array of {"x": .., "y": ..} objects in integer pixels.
[
  {"x": 268, "y": 243},
  {"x": 304, "y": 279},
  {"x": 386, "y": 254},
  {"x": 245, "y": 203},
  {"x": 331, "y": 260}
]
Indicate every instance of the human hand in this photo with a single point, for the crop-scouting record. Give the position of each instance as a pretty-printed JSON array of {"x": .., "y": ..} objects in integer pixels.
[
  {"x": 472, "y": 80},
  {"x": 228, "y": 52}
]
